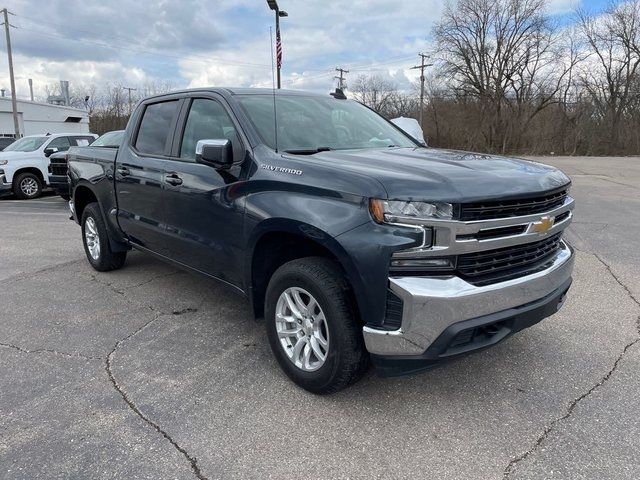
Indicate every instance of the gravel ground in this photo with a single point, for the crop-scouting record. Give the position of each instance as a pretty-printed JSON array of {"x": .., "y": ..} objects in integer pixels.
[{"x": 152, "y": 372}]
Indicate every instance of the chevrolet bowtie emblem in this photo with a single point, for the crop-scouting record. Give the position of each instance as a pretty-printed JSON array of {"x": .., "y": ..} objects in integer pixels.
[{"x": 542, "y": 226}]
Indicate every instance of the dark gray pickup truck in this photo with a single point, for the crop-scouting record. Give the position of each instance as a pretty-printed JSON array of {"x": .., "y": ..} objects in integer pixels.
[{"x": 354, "y": 243}]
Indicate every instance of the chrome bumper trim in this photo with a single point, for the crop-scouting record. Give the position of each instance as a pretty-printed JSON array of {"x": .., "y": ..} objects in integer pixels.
[{"x": 431, "y": 304}]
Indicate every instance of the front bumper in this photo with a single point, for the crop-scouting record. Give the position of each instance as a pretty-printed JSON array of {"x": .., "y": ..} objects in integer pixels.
[
  {"x": 59, "y": 183},
  {"x": 5, "y": 187},
  {"x": 432, "y": 305}
]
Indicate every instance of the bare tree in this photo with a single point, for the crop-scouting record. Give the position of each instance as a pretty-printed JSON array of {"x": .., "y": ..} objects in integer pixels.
[
  {"x": 504, "y": 54},
  {"x": 611, "y": 77},
  {"x": 374, "y": 91}
]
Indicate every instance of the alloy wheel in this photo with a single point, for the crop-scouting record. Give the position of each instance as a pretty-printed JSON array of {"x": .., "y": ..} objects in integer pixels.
[
  {"x": 92, "y": 238},
  {"x": 29, "y": 186},
  {"x": 302, "y": 329}
]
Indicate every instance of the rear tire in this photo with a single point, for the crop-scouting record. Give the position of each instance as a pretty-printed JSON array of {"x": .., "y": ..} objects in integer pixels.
[
  {"x": 27, "y": 186},
  {"x": 332, "y": 354},
  {"x": 96, "y": 241}
]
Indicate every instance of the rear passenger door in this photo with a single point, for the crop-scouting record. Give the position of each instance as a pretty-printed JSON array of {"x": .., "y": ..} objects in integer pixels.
[
  {"x": 202, "y": 210},
  {"x": 139, "y": 171}
]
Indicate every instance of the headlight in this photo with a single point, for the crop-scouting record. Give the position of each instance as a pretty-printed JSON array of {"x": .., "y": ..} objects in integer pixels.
[
  {"x": 412, "y": 213},
  {"x": 4, "y": 162}
]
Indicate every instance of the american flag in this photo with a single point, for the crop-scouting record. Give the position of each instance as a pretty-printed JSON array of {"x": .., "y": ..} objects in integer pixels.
[{"x": 278, "y": 47}]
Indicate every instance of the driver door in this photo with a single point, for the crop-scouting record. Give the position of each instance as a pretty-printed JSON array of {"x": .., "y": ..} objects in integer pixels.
[{"x": 203, "y": 216}]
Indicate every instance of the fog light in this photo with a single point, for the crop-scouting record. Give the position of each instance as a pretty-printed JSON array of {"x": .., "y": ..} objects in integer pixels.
[{"x": 439, "y": 263}]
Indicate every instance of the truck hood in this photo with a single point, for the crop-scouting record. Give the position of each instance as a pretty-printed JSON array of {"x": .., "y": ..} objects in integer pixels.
[
  {"x": 20, "y": 155},
  {"x": 447, "y": 175}
]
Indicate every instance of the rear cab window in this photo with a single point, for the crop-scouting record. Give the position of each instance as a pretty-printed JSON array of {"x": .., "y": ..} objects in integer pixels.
[{"x": 155, "y": 127}]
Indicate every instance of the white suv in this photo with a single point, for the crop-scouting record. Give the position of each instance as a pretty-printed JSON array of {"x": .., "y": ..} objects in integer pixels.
[{"x": 24, "y": 164}]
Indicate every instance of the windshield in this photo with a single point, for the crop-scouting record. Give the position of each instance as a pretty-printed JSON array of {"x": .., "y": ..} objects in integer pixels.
[
  {"x": 26, "y": 144},
  {"x": 311, "y": 124},
  {"x": 109, "y": 139}
]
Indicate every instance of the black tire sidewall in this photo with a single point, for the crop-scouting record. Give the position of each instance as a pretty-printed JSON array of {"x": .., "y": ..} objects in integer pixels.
[
  {"x": 319, "y": 380},
  {"x": 18, "y": 191}
]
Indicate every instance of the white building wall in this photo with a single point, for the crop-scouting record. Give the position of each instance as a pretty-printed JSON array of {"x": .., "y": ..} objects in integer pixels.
[{"x": 37, "y": 118}]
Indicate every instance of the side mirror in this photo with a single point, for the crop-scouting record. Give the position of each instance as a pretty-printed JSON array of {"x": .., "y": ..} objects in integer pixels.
[
  {"x": 214, "y": 153},
  {"x": 49, "y": 150}
]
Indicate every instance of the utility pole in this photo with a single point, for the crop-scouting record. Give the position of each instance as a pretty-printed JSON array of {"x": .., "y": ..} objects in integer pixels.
[
  {"x": 14, "y": 101},
  {"x": 422, "y": 66},
  {"x": 129, "y": 89},
  {"x": 341, "y": 80}
]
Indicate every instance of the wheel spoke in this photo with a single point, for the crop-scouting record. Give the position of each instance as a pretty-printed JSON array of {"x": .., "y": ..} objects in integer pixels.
[
  {"x": 291, "y": 332},
  {"x": 311, "y": 308},
  {"x": 297, "y": 349},
  {"x": 302, "y": 307},
  {"x": 320, "y": 338},
  {"x": 292, "y": 305},
  {"x": 306, "y": 355},
  {"x": 320, "y": 355}
]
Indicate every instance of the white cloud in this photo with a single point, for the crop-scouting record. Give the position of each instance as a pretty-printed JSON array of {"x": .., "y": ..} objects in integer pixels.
[{"x": 211, "y": 42}]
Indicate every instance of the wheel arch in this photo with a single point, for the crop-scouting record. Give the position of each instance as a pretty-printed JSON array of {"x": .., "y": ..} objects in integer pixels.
[
  {"x": 278, "y": 241},
  {"x": 35, "y": 170},
  {"x": 82, "y": 196}
]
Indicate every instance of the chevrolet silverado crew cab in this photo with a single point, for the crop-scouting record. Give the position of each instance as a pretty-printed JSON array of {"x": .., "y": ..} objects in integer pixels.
[
  {"x": 24, "y": 165},
  {"x": 353, "y": 242}
]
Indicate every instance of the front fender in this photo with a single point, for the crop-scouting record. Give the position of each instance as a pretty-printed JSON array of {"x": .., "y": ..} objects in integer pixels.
[{"x": 342, "y": 225}]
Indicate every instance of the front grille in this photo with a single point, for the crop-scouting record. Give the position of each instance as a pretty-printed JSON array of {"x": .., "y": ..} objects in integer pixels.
[
  {"x": 502, "y": 264},
  {"x": 512, "y": 208},
  {"x": 58, "y": 167}
]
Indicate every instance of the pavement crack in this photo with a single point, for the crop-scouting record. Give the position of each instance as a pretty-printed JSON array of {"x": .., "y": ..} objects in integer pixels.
[
  {"x": 47, "y": 350},
  {"x": 510, "y": 468},
  {"x": 35, "y": 273},
  {"x": 132, "y": 406},
  {"x": 109, "y": 285},
  {"x": 615, "y": 277}
]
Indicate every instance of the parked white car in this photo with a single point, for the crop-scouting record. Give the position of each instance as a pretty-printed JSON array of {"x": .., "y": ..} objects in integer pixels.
[{"x": 24, "y": 164}]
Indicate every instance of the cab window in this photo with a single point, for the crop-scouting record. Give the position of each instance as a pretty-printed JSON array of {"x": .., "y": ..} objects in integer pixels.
[
  {"x": 61, "y": 143},
  {"x": 155, "y": 127},
  {"x": 208, "y": 120}
]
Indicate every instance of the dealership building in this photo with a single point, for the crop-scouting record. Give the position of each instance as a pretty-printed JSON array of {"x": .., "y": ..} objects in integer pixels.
[{"x": 37, "y": 118}]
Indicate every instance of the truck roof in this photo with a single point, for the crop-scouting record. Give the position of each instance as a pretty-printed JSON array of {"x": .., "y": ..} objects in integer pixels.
[{"x": 229, "y": 91}]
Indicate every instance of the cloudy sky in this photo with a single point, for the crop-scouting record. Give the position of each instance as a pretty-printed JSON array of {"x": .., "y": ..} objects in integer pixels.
[{"x": 192, "y": 43}]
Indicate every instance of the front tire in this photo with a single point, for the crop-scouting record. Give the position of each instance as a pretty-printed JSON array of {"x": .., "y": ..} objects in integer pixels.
[
  {"x": 312, "y": 327},
  {"x": 96, "y": 241},
  {"x": 27, "y": 186}
]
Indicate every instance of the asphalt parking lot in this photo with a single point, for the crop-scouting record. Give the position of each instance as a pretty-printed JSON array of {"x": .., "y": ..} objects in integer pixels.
[{"x": 151, "y": 372}]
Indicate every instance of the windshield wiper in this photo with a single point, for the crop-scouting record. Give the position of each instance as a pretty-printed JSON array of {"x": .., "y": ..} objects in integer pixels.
[{"x": 308, "y": 151}]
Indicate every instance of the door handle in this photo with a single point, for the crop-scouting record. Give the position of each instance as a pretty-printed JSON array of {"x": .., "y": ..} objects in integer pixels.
[
  {"x": 173, "y": 179},
  {"x": 123, "y": 171}
]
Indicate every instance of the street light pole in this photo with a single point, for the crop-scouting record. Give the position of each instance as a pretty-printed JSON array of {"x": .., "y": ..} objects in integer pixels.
[{"x": 273, "y": 5}]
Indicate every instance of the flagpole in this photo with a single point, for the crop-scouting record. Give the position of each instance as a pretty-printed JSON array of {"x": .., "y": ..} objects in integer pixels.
[{"x": 278, "y": 46}]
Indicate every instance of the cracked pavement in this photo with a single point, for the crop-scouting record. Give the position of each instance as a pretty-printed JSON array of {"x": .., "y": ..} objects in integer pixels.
[{"x": 151, "y": 372}]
